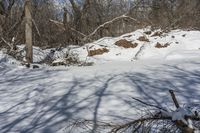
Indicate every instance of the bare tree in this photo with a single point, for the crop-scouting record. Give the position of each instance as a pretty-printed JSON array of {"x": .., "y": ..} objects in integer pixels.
[{"x": 28, "y": 32}]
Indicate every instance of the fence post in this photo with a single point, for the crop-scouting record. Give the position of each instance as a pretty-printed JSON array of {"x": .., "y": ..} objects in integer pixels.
[{"x": 28, "y": 32}]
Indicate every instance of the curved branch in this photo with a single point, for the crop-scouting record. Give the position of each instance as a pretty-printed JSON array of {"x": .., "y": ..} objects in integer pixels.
[
  {"x": 110, "y": 22},
  {"x": 116, "y": 129},
  {"x": 61, "y": 25}
]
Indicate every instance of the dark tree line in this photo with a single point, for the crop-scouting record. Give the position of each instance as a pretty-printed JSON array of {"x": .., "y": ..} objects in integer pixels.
[{"x": 85, "y": 16}]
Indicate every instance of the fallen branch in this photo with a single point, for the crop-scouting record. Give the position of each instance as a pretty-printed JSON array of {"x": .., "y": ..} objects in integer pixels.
[
  {"x": 57, "y": 23},
  {"x": 6, "y": 42},
  {"x": 34, "y": 23},
  {"x": 116, "y": 129},
  {"x": 110, "y": 22},
  {"x": 13, "y": 50},
  {"x": 185, "y": 124},
  {"x": 164, "y": 121},
  {"x": 88, "y": 37}
]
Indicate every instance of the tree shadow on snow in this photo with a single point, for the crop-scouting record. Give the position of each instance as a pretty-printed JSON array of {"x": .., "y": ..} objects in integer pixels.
[{"x": 47, "y": 106}]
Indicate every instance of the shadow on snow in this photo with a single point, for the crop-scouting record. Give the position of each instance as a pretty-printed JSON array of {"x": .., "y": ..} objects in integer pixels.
[{"x": 35, "y": 107}]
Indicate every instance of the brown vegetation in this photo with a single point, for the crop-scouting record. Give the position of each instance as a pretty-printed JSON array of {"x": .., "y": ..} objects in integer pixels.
[
  {"x": 99, "y": 51},
  {"x": 159, "y": 45},
  {"x": 143, "y": 39},
  {"x": 125, "y": 44}
]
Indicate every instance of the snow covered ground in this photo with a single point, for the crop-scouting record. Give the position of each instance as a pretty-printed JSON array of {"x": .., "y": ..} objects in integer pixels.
[
  {"x": 182, "y": 45},
  {"x": 44, "y": 100}
]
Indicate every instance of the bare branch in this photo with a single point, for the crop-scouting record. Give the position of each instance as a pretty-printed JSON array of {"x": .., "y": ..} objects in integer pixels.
[
  {"x": 34, "y": 23},
  {"x": 6, "y": 42},
  {"x": 61, "y": 25},
  {"x": 116, "y": 129},
  {"x": 110, "y": 22}
]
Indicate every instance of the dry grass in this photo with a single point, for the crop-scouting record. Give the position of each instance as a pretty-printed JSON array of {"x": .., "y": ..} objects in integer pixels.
[
  {"x": 125, "y": 44},
  {"x": 97, "y": 51},
  {"x": 143, "y": 39},
  {"x": 159, "y": 45}
]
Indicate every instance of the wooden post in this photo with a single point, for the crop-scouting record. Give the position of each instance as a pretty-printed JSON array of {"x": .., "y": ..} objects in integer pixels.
[
  {"x": 28, "y": 32},
  {"x": 174, "y": 98},
  {"x": 185, "y": 128}
]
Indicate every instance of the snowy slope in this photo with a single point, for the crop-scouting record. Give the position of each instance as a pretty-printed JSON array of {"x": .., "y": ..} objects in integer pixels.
[{"x": 183, "y": 45}]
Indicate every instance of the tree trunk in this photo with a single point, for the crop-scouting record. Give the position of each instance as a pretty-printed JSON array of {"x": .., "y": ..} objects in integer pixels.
[{"x": 28, "y": 32}]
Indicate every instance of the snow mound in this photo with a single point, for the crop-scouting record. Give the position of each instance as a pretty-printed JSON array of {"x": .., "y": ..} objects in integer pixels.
[
  {"x": 180, "y": 45},
  {"x": 157, "y": 45},
  {"x": 4, "y": 58}
]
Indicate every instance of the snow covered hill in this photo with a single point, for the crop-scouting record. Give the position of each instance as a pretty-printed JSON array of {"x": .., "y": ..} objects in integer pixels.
[
  {"x": 45, "y": 100},
  {"x": 182, "y": 45},
  {"x": 154, "y": 45}
]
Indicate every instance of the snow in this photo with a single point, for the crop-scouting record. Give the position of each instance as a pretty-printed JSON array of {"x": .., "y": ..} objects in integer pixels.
[
  {"x": 47, "y": 99},
  {"x": 180, "y": 113},
  {"x": 182, "y": 45},
  {"x": 4, "y": 58},
  {"x": 34, "y": 100}
]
